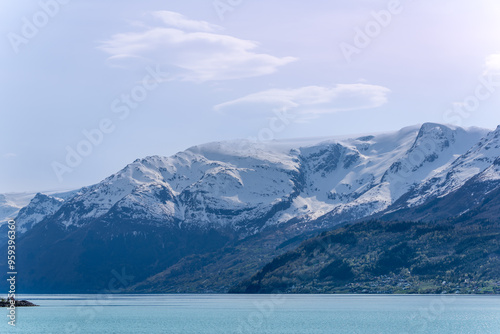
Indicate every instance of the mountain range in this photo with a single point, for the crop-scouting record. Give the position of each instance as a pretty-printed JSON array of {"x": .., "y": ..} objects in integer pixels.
[{"x": 207, "y": 218}]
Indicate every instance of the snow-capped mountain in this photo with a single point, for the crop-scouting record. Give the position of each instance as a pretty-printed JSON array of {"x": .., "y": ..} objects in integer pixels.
[
  {"x": 479, "y": 162},
  {"x": 214, "y": 185},
  {"x": 380, "y": 169},
  {"x": 468, "y": 187},
  {"x": 158, "y": 211},
  {"x": 12, "y": 203},
  {"x": 39, "y": 207},
  {"x": 247, "y": 186}
]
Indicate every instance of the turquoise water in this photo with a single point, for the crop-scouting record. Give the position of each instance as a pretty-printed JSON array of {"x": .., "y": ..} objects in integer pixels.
[{"x": 219, "y": 314}]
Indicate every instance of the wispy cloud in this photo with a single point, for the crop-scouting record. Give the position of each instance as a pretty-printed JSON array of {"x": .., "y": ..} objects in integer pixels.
[
  {"x": 314, "y": 100},
  {"x": 194, "y": 48},
  {"x": 9, "y": 155}
]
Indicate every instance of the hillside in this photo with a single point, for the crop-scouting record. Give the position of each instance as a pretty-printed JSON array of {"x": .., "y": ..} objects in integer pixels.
[{"x": 388, "y": 257}]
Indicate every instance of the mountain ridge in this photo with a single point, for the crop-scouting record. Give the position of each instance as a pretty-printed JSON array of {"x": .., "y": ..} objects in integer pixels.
[{"x": 245, "y": 194}]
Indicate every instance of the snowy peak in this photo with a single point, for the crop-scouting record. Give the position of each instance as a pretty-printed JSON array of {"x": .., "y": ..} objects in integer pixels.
[
  {"x": 432, "y": 139},
  {"x": 148, "y": 202},
  {"x": 247, "y": 150},
  {"x": 473, "y": 161},
  {"x": 246, "y": 186},
  {"x": 40, "y": 207},
  {"x": 11, "y": 203},
  {"x": 192, "y": 186}
]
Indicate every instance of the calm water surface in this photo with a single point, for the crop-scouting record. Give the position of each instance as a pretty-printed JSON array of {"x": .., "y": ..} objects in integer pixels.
[{"x": 272, "y": 314}]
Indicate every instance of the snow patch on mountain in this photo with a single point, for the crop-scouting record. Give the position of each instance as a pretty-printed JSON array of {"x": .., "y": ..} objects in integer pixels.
[
  {"x": 12, "y": 203},
  {"x": 452, "y": 176},
  {"x": 244, "y": 185},
  {"x": 40, "y": 207}
]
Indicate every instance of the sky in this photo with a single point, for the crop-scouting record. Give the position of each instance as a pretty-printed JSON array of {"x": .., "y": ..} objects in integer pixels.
[{"x": 89, "y": 86}]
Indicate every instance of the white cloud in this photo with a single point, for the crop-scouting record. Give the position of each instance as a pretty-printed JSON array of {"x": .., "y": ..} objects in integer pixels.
[
  {"x": 10, "y": 155},
  {"x": 199, "y": 55},
  {"x": 313, "y": 100},
  {"x": 493, "y": 64}
]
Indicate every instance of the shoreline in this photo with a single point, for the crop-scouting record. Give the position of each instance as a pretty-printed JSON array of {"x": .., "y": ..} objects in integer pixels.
[{"x": 18, "y": 303}]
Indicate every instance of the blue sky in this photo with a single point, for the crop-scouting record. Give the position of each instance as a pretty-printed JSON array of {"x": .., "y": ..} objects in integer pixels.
[{"x": 89, "y": 86}]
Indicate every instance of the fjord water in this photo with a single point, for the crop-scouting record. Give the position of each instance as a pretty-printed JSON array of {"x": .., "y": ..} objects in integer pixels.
[{"x": 268, "y": 314}]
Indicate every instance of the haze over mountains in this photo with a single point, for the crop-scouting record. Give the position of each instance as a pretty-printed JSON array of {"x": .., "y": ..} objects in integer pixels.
[
  {"x": 178, "y": 223},
  {"x": 10, "y": 204}
]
